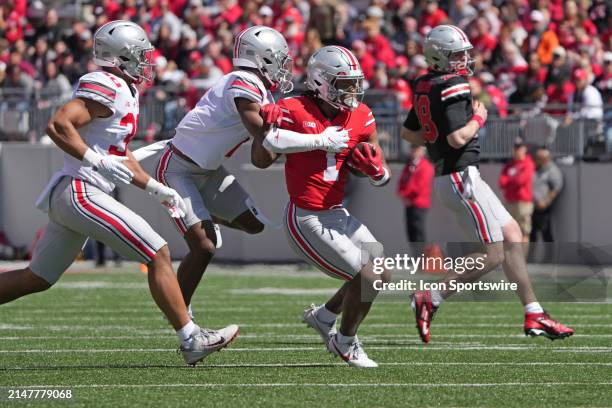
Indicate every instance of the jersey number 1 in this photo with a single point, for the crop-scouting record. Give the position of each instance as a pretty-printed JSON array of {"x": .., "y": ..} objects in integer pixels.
[
  {"x": 424, "y": 114},
  {"x": 131, "y": 121},
  {"x": 331, "y": 171}
]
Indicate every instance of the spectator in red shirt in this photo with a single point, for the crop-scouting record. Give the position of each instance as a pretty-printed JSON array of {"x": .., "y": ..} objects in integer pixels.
[
  {"x": 482, "y": 39},
  {"x": 414, "y": 189},
  {"x": 230, "y": 12},
  {"x": 432, "y": 16},
  {"x": 516, "y": 182},
  {"x": 379, "y": 46},
  {"x": 366, "y": 60},
  {"x": 498, "y": 99},
  {"x": 401, "y": 88},
  {"x": 213, "y": 50},
  {"x": 286, "y": 15}
]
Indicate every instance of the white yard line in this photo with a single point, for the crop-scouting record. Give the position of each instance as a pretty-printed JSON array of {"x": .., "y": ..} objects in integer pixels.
[
  {"x": 446, "y": 347},
  {"x": 129, "y": 327},
  {"x": 366, "y": 337},
  {"x": 324, "y": 385}
]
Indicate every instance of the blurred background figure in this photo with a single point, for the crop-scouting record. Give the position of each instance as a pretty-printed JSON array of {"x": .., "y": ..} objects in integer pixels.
[
  {"x": 547, "y": 185},
  {"x": 516, "y": 183},
  {"x": 414, "y": 189}
]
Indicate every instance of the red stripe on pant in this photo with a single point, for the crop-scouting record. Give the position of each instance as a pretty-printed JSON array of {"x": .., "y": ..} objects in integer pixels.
[
  {"x": 163, "y": 164},
  {"x": 294, "y": 231},
  {"x": 475, "y": 210},
  {"x": 97, "y": 213}
]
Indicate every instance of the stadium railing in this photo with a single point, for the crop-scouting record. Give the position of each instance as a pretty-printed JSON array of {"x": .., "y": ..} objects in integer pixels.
[{"x": 24, "y": 116}]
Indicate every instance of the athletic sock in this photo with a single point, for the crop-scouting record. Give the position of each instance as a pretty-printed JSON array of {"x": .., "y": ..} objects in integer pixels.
[
  {"x": 436, "y": 297},
  {"x": 324, "y": 315},
  {"x": 184, "y": 333},
  {"x": 344, "y": 339},
  {"x": 533, "y": 307}
]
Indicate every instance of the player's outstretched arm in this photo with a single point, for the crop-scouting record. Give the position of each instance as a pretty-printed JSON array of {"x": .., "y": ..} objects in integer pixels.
[
  {"x": 141, "y": 177},
  {"x": 263, "y": 124},
  {"x": 168, "y": 197}
]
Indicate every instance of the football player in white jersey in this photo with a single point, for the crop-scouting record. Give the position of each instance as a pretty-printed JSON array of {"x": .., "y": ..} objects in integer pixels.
[
  {"x": 94, "y": 129},
  {"x": 231, "y": 113}
]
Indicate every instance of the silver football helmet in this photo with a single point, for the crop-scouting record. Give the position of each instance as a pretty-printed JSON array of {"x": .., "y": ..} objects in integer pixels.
[
  {"x": 266, "y": 50},
  {"x": 447, "y": 49},
  {"x": 124, "y": 45},
  {"x": 331, "y": 64}
]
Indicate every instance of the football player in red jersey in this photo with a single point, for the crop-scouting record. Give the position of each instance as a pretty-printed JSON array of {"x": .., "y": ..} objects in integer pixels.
[
  {"x": 447, "y": 121},
  {"x": 319, "y": 228}
]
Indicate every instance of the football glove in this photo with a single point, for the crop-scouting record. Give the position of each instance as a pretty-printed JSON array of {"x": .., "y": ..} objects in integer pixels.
[
  {"x": 368, "y": 162},
  {"x": 271, "y": 114},
  {"x": 168, "y": 197},
  {"x": 334, "y": 139},
  {"x": 110, "y": 167}
]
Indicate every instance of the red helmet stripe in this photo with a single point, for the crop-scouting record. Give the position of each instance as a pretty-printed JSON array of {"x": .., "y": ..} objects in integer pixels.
[
  {"x": 349, "y": 55},
  {"x": 461, "y": 33}
]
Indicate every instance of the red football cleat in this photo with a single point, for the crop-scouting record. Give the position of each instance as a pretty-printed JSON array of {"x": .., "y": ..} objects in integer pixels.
[
  {"x": 540, "y": 324},
  {"x": 424, "y": 311}
]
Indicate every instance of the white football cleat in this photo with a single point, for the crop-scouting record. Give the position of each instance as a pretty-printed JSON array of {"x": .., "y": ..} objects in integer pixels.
[
  {"x": 325, "y": 330},
  {"x": 352, "y": 353},
  {"x": 205, "y": 341}
]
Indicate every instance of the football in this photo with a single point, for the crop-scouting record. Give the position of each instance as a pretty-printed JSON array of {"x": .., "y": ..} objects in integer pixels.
[{"x": 362, "y": 146}]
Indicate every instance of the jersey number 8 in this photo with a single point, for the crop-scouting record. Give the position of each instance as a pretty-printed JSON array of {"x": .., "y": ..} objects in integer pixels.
[{"x": 424, "y": 114}]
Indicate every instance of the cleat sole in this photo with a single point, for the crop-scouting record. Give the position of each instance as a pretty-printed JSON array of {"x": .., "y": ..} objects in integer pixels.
[{"x": 538, "y": 332}]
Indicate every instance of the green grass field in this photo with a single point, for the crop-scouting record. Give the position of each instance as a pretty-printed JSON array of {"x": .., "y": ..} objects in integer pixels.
[{"x": 101, "y": 336}]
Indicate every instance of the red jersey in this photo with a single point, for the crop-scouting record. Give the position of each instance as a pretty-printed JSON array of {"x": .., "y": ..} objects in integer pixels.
[
  {"x": 316, "y": 179},
  {"x": 516, "y": 180},
  {"x": 415, "y": 184}
]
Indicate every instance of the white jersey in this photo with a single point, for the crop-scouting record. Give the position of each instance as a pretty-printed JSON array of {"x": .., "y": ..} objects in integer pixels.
[
  {"x": 105, "y": 135},
  {"x": 212, "y": 131}
]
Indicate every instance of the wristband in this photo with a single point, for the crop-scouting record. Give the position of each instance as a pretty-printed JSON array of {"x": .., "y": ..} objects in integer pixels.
[
  {"x": 383, "y": 180},
  {"x": 152, "y": 186},
  {"x": 478, "y": 119},
  {"x": 91, "y": 157}
]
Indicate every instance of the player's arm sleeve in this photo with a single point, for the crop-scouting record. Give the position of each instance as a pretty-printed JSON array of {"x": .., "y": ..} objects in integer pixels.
[
  {"x": 97, "y": 88},
  {"x": 412, "y": 121},
  {"x": 243, "y": 88},
  {"x": 287, "y": 138},
  {"x": 456, "y": 97}
]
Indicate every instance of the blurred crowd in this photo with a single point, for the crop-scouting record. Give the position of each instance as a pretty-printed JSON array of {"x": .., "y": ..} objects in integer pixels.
[{"x": 526, "y": 51}]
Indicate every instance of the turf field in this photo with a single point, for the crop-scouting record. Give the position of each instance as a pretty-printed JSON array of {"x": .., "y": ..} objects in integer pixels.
[{"x": 101, "y": 336}]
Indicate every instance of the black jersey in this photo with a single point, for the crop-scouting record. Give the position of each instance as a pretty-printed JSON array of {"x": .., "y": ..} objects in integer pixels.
[{"x": 442, "y": 103}]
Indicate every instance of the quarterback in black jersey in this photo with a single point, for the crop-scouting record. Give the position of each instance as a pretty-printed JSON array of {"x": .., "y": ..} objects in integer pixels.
[{"x": 446, "y": 120}]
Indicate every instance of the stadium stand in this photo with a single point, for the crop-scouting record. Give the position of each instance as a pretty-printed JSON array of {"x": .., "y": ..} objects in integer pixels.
[{"x": 528, "y": 55}]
